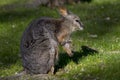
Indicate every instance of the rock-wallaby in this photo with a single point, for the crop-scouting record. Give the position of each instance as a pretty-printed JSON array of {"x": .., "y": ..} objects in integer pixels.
[{"x": 39, "y": 44}]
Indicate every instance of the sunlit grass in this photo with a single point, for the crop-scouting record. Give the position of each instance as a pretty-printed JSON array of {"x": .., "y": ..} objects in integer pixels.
[
  {"x": 104, "y": 1},
  {"x": 100, "y": 67},
  {"x": 4, "y": 2}
]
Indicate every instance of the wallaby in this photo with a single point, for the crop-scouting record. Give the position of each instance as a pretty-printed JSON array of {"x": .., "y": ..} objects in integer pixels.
[{"x": 39, "y": 43}]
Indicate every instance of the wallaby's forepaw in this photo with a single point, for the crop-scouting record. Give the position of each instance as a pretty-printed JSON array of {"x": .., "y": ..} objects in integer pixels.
[{"x": 71, "y": 54}]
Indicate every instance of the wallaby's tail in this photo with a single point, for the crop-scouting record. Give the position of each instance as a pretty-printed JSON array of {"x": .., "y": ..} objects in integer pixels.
[
  {"x": 23, "y": 76},
  {"x": 19, "y": 76}
]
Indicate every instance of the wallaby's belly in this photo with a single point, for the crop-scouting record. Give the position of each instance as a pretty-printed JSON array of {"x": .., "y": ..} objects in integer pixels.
[{"x": 37, "y": 46}]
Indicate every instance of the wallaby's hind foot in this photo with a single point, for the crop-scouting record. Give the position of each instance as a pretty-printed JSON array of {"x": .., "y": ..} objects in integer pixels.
[{"x": 52, "y": 70}]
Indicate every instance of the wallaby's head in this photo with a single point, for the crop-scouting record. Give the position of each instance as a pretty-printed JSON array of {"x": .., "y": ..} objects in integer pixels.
[{"x": 74, "y": 20}]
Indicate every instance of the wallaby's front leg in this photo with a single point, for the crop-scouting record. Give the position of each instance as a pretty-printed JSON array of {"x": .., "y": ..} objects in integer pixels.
[{"x": 67, "y": 47}]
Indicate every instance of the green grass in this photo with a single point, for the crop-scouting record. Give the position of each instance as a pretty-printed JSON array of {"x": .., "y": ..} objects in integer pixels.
[{"x": 102, "y": 25}]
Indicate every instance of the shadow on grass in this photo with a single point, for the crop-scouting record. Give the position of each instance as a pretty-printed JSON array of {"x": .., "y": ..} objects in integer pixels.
[
  {"x": 64, "y": 59},
  {"x": 85, "y": 0}
]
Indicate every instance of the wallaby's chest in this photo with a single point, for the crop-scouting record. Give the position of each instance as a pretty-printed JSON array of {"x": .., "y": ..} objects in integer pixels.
[{"x": 63, "y": 35}]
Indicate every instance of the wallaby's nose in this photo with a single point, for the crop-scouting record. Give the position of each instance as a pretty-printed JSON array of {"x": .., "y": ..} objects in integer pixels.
[{"x": 81, "y": 26}]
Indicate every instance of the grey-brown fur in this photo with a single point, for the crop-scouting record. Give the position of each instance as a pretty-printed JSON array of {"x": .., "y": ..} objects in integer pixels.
[{"x": 39, "y": 44}]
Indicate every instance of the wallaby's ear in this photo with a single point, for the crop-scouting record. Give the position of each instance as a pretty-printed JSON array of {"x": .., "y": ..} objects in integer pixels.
[{"x": 63, "y": 11}]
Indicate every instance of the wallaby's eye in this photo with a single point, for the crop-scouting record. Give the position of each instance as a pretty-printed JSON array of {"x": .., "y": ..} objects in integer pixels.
[{"x": 77, "y": 20}]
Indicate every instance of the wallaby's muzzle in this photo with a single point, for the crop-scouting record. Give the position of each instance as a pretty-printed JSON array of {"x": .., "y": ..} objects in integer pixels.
[{"x": 81, "y": 26}]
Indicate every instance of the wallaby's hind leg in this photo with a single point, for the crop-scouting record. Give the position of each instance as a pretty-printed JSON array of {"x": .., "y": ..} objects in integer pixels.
[
  {"x": 51, "y": 63},
  {"x": 53, "y": 59},
  {"x": 53, "y": 56},
  {"x": 56, "y": 55}
]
